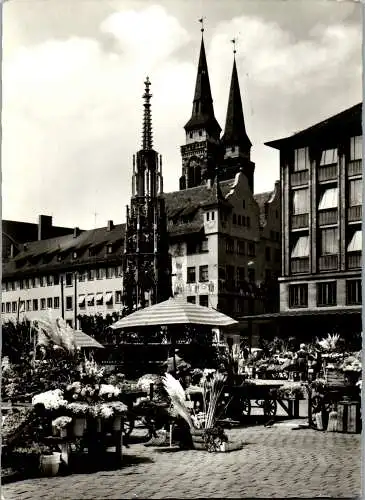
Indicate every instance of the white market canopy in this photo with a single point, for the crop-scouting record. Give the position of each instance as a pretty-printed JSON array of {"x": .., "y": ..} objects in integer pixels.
[{"x": 174, "y": 312}]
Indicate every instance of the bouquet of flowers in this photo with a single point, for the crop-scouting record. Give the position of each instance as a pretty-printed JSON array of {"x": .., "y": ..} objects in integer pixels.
[
  {"x": 108, "y": 391},
  {"x": 51, "y": 400},
  {"x": 351, "y": 364},
  {"x": 291, "y": 391},
  {"x": 78, "y": 409},
  {"x": 108, "y": 410},
  {"x": 61, "y": 422}
]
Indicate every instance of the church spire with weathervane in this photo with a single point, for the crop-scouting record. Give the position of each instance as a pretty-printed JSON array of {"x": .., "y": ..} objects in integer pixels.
[
  {"x": 202, "y": 130},
  {"x": 236, "y": 143},
  {"x": 146, "y": 262}
]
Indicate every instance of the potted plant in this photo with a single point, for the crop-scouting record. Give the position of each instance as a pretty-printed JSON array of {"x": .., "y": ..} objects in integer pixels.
[
  {"x": 60, "y": 424},
  {"x": 79, "y": 412}
]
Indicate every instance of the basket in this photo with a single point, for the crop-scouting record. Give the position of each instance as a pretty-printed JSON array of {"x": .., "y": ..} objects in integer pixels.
[{"x": 198, "y": 439}]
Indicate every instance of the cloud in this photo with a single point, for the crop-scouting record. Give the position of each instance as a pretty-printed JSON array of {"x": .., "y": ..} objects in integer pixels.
[{"x": 72, "y": 107}]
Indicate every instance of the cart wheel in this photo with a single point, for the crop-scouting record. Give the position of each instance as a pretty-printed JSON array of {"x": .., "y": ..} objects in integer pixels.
[
  {"x": 129, "y": 426},
  {"x": 270, "y": 407}
]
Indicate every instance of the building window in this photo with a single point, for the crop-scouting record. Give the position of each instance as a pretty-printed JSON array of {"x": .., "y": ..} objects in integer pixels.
[
  {"x": 118, "y": 297},
  {"x": 301, "y": 248},
  {"x": 329, "y": 157},
  {"x": 229, "y": 245},
  {"x": 251, "y": 275},
  {"x": 99, "y": 273},
  {"x": 191, "y": 299},
  {"x": 34, "y": 283},
  {"x": 248, "y": 221},
  {"x": 56, "y": 302},
  {"x": 204, "y": 245},
  {"x": 200, "y": 133},
  {"x": 203, "y": 300},
  {"x": 203, "y": 274},
  {"x": 43, "y": 304},
  {"x": 355, "y": 244},
  {"x": 109, "y": 298},
  {"x": 239, "y": 220},
  {"x": 267, "y": 254},
  {"x": 26, "y": 284},
  {"x": 90, "y": 275},
  {"x": 301, "y": 159},
  {"x": 49, "y": 280},
  {"x": 213, "y": 215},
  {"x": 68, "y": 279},
  {"x": 251, "y": 250},
  {"x": 81, "y": 301},
  {"x": 327, "y": 294},
  {"x": 243, "y": 221},
  {"x": 240, "y": 274},
  {"x": 68, "y": 303},
  {"x": 234, "y": 218},
  {"x": 300, "y": 201},
  {"x": 49, "y": 302},
  {"x": 90, "y": 299},
  {"x": 14, "y": 307},
  {"x": 109, "y": 249},
  {"x": 108, "y": 272},
  {"x": 81, "y": 277},
  {"x": 355, "y": 193},
  {"x": 8, "y": 307},
  {"x": 99, "y": 299},
  {"x": 21, "y": 306},
  {"x": 190, "y": 135},
  {"x": 298, "y": 296},
  {"x": 353, "y": 293},
  {"x": 356, "y": 148},
  {"x": 42, "y": 281},
  {"x": 35, "y": 304},
  {"x": 74, "y": 255},
  {"x": 3, "y": 307},
  {"x": 329, "y": 199},
  {"x": 190, "y": 275},
  {"x": 28, "y": 305},
  {"x": 4, "y": 286},
  {"x": 208, "y": 216},
  {"x": 21, "y": 284},
  {"x": 329, "y": 241},
  {"x": 241, "y": 247}
]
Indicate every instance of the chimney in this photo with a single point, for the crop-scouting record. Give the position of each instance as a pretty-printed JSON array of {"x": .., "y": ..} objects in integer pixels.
[
  {"x": 76, "y": 232},
  {"x": 110, "y": 225},
  {"x": 44, "y": 227}
]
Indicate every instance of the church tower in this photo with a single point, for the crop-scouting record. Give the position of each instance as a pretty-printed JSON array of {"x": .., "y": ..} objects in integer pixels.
[
  {"x": 146, "y": 263},
  {"x": 236, "y": 144},
  {"x": 201, "y": 151}
]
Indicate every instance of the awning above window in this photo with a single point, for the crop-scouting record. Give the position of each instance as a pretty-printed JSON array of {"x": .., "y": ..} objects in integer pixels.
[
  {"x": 355, "y": 244},
  {"x": 301, "y": 248},
  {"x": 108, "y": 297},
  {"x": 329, "y": 199},
  {"x": 90, "y": 300},
  {"x": 99, "y": 297},
  {"x": 81, "y": 300}
]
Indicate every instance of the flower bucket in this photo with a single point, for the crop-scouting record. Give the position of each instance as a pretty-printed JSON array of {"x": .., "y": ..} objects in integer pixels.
[
  {"x": 49, "y": 464},
  {"x": 117, "y": 423},
  {"x": 79, "y": 426}
]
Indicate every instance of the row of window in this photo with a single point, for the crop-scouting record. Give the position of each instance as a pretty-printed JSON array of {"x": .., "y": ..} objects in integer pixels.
[
  {"x": 328, "y": 200},
  {"x": 203, "y": 300},
  {"x": 327, "y": 157},
  {"x": 326, "y": 294},
  {"x": 269, "y": 256},
  {"x": 203, "y": 274},
  {"x": 52, "y": 280},
  {"x": 241, "y": 220},
  {"x": 240, "y": 247},
  {"x": 329, "y": 243},
  {"x": 90, "y": 299},
  {"x": 226, "y": 273}
]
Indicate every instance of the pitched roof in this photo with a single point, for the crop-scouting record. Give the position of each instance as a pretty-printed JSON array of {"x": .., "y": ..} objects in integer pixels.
[
  {"x": 203, "y": 111},
  {"x": 262, "y": 199},
  {"x": 235, "y": 129},
  {"x": 345, "y": 122}
]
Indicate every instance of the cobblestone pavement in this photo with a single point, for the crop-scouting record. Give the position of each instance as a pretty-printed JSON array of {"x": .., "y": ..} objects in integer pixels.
[{"x": 274, "y": 462}]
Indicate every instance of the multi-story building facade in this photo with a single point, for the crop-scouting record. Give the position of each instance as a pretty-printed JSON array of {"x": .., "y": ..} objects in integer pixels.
[
  {"x": 321, "y": 210},
  {"x": 224, "y": 240}
]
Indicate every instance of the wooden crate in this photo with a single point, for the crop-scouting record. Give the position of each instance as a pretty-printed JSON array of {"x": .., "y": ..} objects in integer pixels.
[
  {"x": 349, "y": 417},
  {"x": 334, "y": 377}
]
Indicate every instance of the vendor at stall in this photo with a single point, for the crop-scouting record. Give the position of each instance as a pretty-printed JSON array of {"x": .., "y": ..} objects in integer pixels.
[
  {"x": 302, "y": 358},
  {"x": 176, "y": 366}
]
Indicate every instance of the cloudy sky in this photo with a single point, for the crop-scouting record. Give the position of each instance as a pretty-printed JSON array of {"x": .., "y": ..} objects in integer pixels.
[{"x": 73, "y": 73}]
